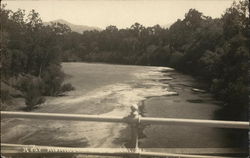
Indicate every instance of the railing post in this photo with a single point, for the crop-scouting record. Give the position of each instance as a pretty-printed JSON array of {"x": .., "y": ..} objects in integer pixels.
[{"x": 135, "y": 130}]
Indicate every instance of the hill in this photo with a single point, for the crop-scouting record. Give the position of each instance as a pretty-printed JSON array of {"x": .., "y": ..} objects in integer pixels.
[{"x": 75, "y": 28}]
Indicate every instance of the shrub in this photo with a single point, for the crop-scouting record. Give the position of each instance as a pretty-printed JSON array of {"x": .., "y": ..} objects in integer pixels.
[
  {"x": 53, "y": 78},
  {"x": 67, "y": 87},
  {"x": 32, "y": 87},
  {"x": 33, "y": 97}
]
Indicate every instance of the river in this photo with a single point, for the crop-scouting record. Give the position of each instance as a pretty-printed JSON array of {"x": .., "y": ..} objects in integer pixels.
[{"x": 110, "y": 90}]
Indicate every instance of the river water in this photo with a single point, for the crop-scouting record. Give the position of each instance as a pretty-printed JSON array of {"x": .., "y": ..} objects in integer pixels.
[{"x": 110, "y": 90}]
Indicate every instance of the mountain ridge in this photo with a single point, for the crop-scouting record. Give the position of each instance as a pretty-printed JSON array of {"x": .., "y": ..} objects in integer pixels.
[{"x": 74, "y": 27}]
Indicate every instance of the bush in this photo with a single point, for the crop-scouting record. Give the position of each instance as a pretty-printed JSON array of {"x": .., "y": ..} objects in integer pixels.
[
  {"x": 53, "y": 78},
  {"x": 67, "y": 87},
  {"x": 33, "y": 97},
  {"x": 32, "y": 87}
]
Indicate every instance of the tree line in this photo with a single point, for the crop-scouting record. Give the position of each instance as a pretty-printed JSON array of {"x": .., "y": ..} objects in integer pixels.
[
  {"x": 30, "y": 57},
  {"x": 214, "y": 49}
]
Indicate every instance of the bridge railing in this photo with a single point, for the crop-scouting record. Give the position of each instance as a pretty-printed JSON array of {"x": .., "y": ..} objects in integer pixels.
[{"x": 134, "y": 120}]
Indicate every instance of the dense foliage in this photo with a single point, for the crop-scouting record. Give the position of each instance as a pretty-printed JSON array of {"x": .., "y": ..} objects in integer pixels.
[{"x": 30, "y": 56}]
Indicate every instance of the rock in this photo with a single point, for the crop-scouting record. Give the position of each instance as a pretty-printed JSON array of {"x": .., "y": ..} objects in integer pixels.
[{"x": 198, "y": 90}]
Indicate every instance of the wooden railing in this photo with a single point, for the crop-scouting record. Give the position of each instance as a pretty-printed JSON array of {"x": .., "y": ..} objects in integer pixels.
[{"x": 134, "y": 120}]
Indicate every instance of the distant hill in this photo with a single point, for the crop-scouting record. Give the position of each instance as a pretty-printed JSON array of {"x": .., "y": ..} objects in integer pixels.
[{"x": 75, "y": 28}]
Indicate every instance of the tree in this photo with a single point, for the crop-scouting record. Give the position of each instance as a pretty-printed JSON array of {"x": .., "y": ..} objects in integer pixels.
[{"x": 31, "y": 52}]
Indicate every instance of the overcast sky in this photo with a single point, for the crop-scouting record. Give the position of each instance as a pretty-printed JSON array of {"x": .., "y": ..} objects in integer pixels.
[{"x": 122, "y": 13}]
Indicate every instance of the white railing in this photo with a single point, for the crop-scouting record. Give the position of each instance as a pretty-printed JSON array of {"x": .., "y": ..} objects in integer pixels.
[
  {"x": 134, "y": 120},
  {"x": 12, "y": 149}
]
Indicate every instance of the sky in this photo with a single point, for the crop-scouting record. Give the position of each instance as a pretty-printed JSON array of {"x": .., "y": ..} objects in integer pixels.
[{"x": 121, "y": 13}]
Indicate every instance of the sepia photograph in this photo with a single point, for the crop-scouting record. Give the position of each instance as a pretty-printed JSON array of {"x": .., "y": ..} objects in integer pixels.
[{"x": 125, "y": 78}]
